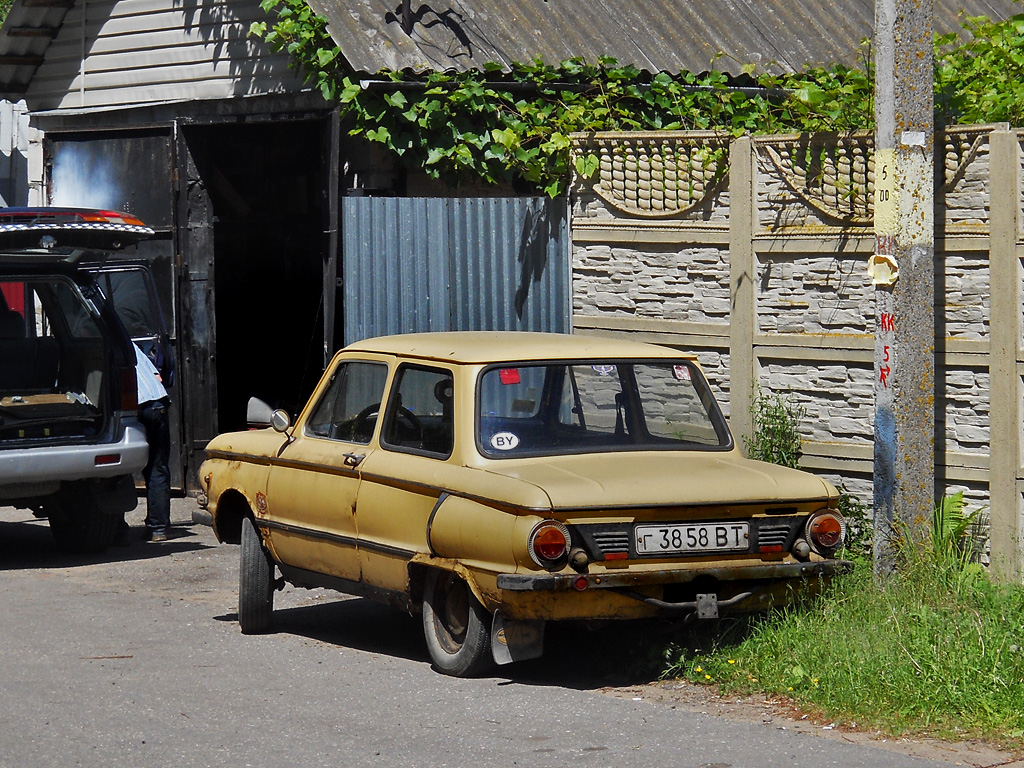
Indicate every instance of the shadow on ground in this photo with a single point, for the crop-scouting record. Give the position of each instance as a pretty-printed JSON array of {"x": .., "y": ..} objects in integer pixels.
[
  {"x": 577, "y": 655},
  {"x": 28, "y": 543}
]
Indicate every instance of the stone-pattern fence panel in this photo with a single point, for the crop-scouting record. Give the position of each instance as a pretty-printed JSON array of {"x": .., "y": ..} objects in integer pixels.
[{"x": 752, "y": 253}]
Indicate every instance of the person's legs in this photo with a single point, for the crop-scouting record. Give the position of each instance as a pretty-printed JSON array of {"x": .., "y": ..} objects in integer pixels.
[{"x": 157, "y": 473}]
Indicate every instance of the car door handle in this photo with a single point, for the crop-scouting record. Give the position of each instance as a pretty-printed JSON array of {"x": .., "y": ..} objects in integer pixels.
[{"x": 353, "y": 459}]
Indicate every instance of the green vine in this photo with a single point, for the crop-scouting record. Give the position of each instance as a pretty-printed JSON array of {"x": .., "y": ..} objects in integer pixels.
[
  {"x": 982, "y": 80},
  {"x": 514, "y": 127}
]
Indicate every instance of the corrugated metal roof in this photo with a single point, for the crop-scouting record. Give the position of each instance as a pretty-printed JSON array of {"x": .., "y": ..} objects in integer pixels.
[
  {"x": 26, "y": 35},
  {"x": 653, "y": 35}
]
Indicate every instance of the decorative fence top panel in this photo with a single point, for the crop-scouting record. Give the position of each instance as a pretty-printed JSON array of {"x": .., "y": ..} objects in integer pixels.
[{"x": 677, "y": 174}]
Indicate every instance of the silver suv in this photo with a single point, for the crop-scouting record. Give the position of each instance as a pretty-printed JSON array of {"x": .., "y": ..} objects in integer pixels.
[{"x": 69, "y": 438}]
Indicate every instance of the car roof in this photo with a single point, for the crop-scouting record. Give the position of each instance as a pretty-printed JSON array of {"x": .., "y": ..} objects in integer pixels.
[{"x": 498, "y": 346}]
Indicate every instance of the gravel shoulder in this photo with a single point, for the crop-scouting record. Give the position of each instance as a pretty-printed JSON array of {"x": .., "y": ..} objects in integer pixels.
[{"x": 784, "y": 715}]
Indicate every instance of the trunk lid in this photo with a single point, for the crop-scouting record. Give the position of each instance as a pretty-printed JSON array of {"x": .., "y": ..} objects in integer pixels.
[{"x": 642, "y": 479}]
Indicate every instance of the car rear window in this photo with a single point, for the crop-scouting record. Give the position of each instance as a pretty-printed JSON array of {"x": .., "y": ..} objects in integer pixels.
[{"x": 597, "y": 406}]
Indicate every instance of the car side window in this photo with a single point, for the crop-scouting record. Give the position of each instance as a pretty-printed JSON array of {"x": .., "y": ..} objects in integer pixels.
[
  {"x": 350, "y": 406},
  {"x": 420, "y": 414}
]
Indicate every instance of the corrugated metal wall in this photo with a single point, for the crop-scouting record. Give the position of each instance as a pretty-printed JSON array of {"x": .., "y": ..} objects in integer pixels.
[{"x": 439, "y": 264}]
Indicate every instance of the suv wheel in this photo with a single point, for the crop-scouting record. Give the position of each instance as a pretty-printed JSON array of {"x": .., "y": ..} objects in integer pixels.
[{"x": 79, "y": 524}]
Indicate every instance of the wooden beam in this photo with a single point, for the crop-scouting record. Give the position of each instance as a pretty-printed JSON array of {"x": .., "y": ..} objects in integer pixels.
[
  {"x": 34, "y": 32},
  {"x": 21, "y": 61}
]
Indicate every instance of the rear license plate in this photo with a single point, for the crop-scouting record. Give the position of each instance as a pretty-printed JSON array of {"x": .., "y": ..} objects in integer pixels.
[{"x": 705, "y": 537}]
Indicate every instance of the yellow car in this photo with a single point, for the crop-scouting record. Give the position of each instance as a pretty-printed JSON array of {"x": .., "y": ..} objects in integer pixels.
[{"x": 498, "y": 481}]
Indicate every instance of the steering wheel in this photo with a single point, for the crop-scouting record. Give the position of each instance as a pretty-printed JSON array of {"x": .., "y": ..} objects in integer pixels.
[
  {"x": 361, "y": 423},
  {"x": 414, "y": 424}
]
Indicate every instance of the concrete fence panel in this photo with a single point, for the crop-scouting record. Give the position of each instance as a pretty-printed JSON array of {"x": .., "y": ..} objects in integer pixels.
[{"x": 752, "y": 253}]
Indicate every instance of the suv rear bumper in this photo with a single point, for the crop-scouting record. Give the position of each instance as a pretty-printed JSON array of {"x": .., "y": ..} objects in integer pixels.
[{"x": 33, "y": 472}]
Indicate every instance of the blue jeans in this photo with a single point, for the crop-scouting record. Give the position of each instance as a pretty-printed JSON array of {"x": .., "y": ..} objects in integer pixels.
[{"x": 157, "y": 474}]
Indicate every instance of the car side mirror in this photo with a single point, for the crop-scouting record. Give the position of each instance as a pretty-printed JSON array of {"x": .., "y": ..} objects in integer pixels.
[
  {"x": 258, "y": 414},
  {"x": 280, "y": 420}
]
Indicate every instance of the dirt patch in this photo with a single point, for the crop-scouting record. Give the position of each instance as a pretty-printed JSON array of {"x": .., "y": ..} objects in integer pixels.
[{"x": 784, "y": 715}]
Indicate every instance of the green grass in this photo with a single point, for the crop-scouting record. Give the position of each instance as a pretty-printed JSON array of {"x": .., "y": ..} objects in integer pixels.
[{"x": 939, "y": 650}]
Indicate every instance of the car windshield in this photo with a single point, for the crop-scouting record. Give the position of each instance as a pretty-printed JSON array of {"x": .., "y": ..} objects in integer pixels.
[{"x": 596, "y": 406}]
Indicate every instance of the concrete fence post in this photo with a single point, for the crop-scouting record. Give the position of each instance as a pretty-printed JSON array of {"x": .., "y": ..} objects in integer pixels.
[
  {"x": 1004, "y": 354},
  {"x": 742, "y": 281}
]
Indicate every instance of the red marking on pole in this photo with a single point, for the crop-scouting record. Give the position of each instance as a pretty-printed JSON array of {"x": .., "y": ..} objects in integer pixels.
[
  {"x": 887, "y": 322},
  {"x": 883, "y": 374}
]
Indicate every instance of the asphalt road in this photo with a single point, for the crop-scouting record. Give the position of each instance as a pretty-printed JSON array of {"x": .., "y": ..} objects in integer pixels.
[{"x": 134, "y": 659}]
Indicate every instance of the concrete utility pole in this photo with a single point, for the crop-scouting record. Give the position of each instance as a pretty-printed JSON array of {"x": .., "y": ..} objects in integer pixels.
[{"x": 902, "y": 270}]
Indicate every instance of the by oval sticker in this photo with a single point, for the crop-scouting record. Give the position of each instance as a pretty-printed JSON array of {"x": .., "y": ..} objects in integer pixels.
[{"x": 504, "y": 441}]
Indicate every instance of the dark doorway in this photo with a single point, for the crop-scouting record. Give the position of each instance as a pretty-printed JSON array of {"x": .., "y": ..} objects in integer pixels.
[{"x": 254, "y": 255}]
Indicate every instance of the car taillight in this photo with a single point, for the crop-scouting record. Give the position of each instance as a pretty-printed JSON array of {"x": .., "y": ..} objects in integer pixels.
[
  {"x": 825, "y": 530},
  {"x": 129, "y": 390},
  {"x": 549, "y": 544}
]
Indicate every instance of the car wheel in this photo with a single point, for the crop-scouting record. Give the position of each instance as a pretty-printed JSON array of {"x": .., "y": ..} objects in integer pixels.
[
  {"x": 81, "y": 525},
  {"x": 255, "y": 582},
  {"x": 456, "y": 626}
]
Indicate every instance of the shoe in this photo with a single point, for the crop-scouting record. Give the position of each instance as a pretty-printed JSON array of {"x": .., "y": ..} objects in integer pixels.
[{"x": 158, "y": 536}]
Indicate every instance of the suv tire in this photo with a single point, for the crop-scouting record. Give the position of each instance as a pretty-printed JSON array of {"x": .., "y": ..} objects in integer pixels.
[{"x": 79, "y": 523}]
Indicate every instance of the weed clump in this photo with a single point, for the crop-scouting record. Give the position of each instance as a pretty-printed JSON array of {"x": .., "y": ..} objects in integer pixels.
[{"x": 937, "y": 648}]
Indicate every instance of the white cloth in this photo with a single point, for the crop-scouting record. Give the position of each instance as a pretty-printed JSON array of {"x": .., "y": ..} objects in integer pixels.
[{"x": 148, "y": 378}]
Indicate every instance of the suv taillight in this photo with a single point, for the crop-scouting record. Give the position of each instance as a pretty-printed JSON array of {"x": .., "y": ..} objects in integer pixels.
[{"x": 129, "y": 390}]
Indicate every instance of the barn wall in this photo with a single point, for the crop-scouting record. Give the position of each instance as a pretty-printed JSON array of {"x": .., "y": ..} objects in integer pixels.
[{"x": 124, "y": 52}]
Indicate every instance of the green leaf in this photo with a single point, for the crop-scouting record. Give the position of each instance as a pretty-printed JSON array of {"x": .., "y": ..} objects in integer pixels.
[
  {"x": 554, "y": 188},
  {"x": 435, "y": 155},
  {"x": 324, "y": 57},
  {"x": 396, "y": 99},
  {"x": 556, "y": 143},
  {"x": 506, "y": 137},
  {"x": 587, "y": 165},
  {"x": 349, "y": 92}
]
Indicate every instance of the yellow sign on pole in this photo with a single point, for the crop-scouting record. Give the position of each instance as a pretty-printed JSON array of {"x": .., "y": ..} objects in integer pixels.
[{"x": 887, "y": 204}]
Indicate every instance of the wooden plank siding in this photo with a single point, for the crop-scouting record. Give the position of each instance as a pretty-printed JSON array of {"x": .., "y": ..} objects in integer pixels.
[{"x": 141, "y": 51}]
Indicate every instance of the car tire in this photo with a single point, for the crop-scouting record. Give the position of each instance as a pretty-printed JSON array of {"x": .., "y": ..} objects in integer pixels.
[
  {"x": 456, "y": 626},
  {"x": 80, "y": 525},
  {"x": 255, "y": 582}
]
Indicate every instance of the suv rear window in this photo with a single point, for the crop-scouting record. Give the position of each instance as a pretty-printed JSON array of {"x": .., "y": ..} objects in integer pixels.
[{"x": 54, "y": 361}]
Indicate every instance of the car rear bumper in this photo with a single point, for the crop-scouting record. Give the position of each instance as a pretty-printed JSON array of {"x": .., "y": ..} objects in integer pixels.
[
  {"x": 702, "y": 592},
  {"x": 32, "y": 472},
  {"x": 544, "y": 582}
]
